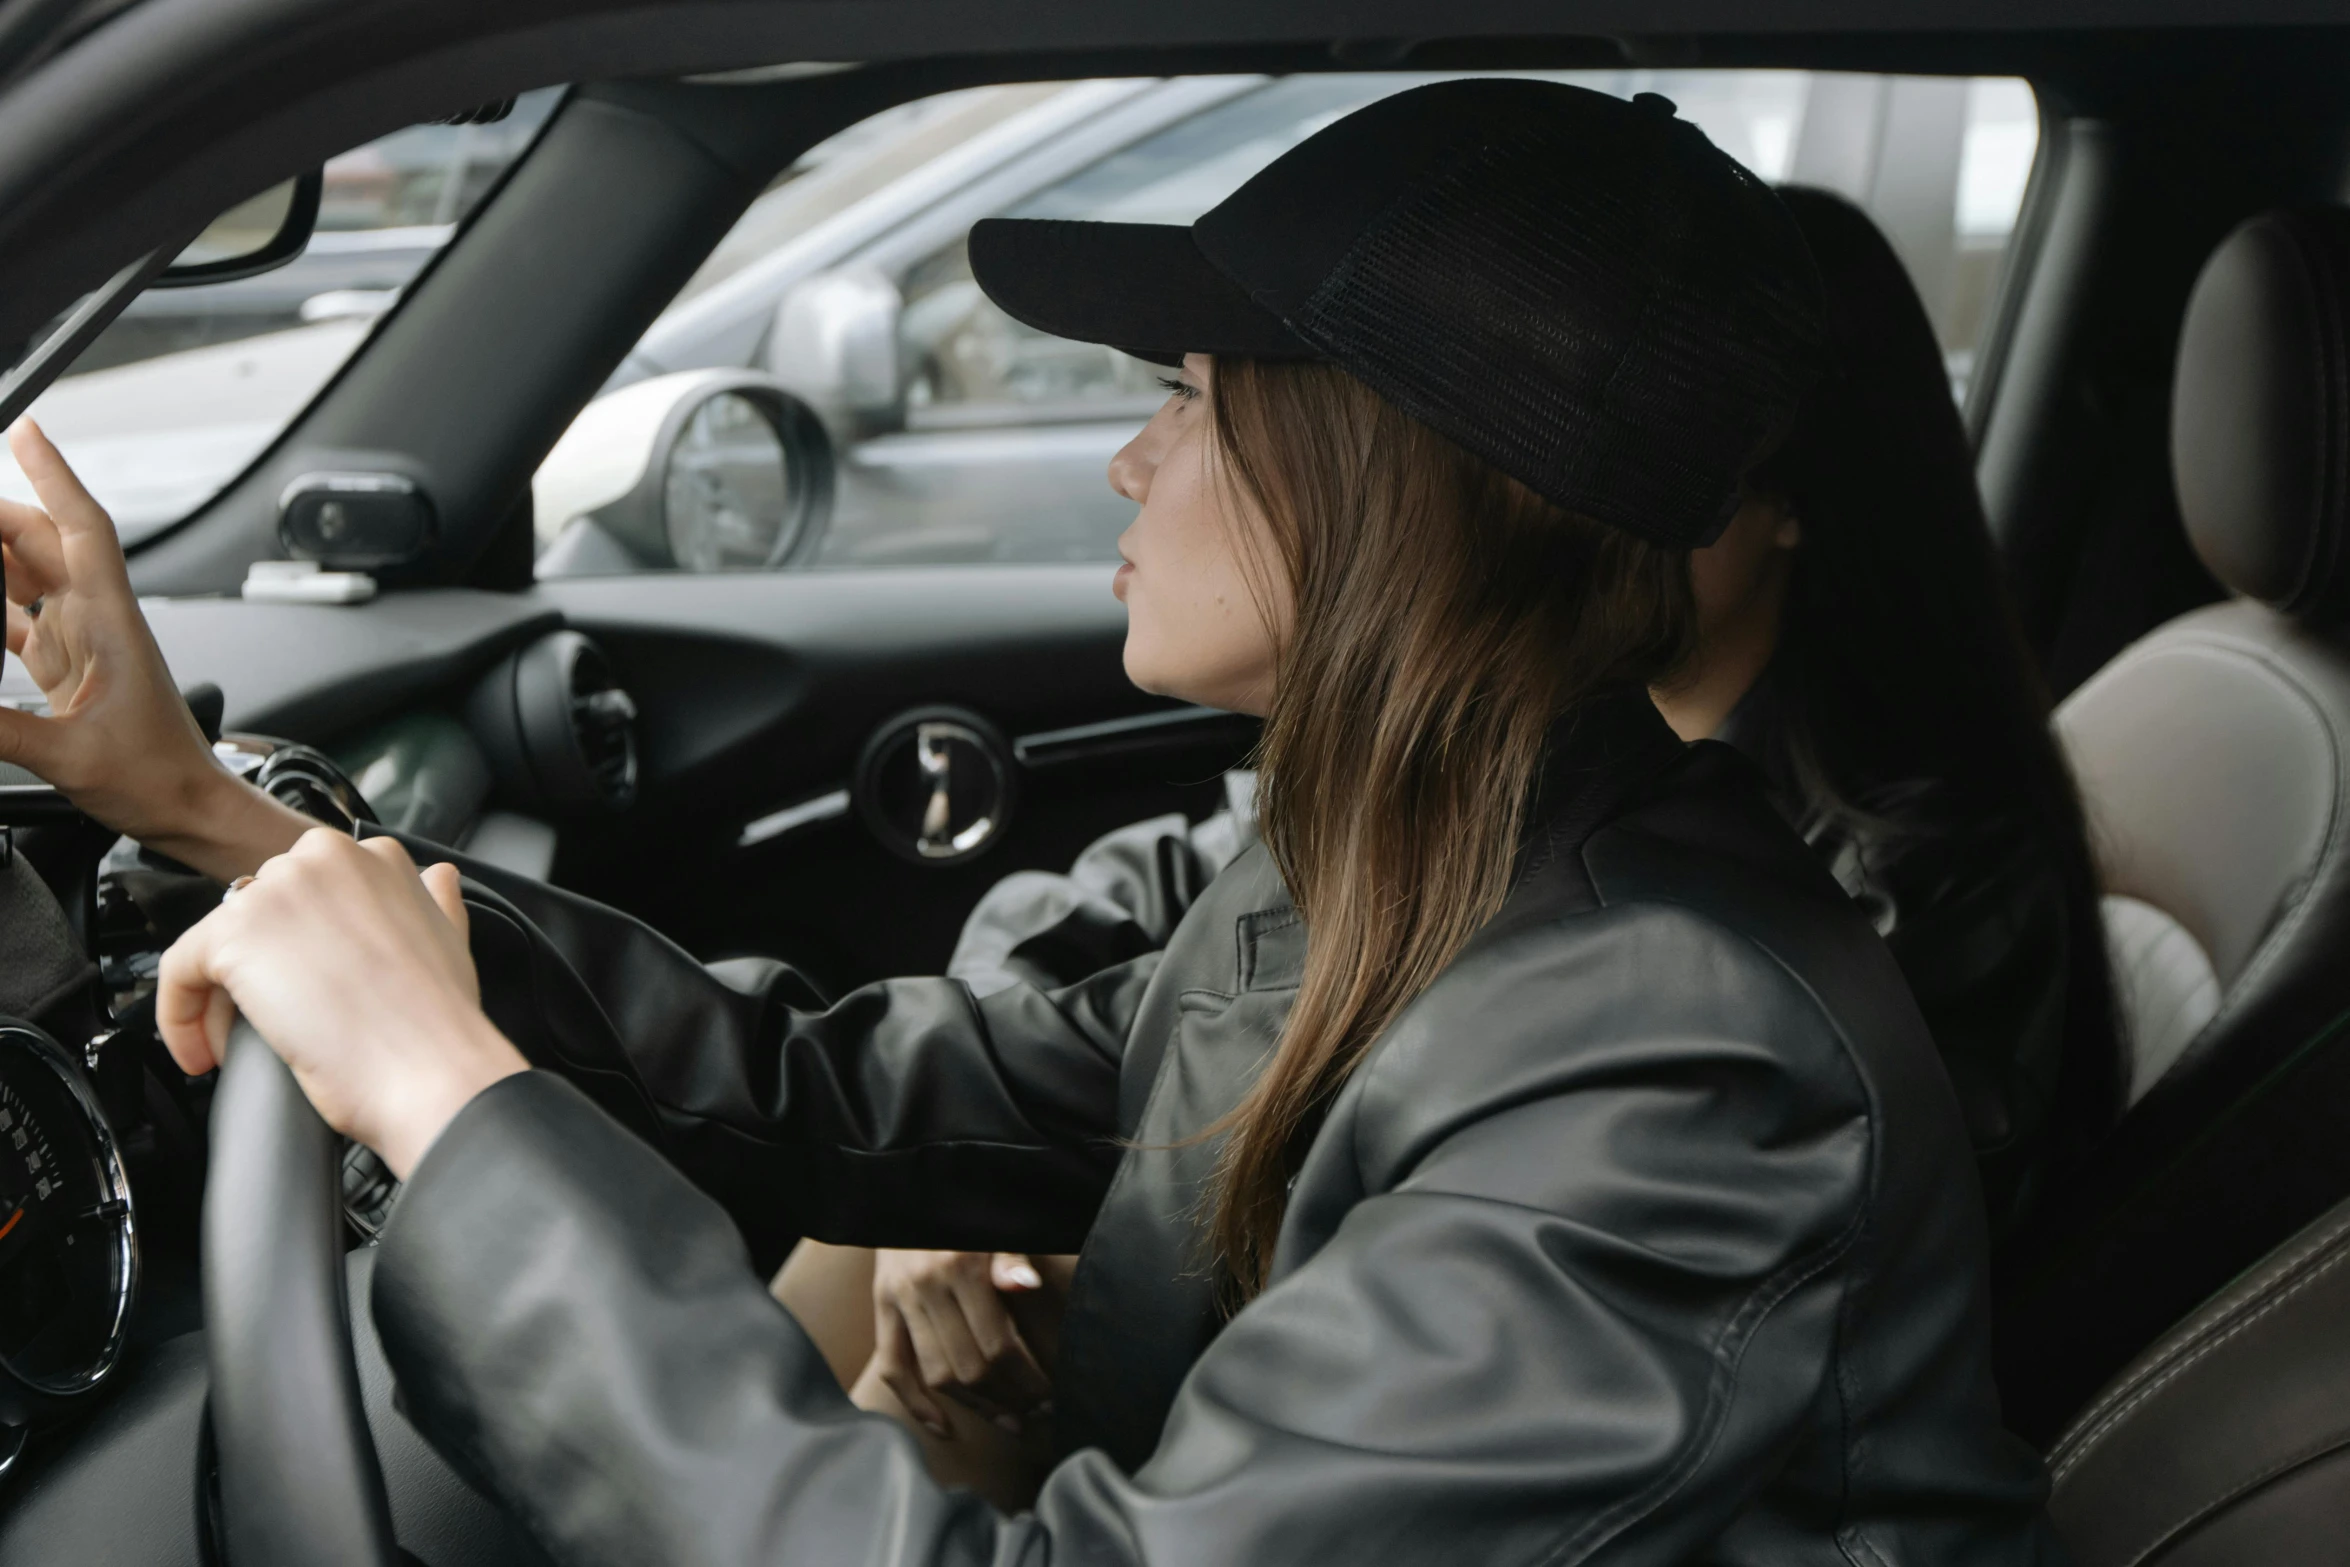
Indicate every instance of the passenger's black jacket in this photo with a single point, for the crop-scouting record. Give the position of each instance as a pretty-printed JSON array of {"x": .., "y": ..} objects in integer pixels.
[
  {"x": 1972, "y": 904},
  {"x": 1647, "y": 1234}
]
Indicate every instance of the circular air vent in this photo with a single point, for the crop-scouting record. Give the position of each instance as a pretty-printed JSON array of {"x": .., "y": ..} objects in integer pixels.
[
  {"x": 559, "y": 729},
  {"x": 937, "y": 785}
]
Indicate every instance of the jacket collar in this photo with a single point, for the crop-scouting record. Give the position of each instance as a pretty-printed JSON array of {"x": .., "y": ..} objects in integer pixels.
[
  {"x": 1757, "y": 729},
  {"x": 1599, "y": 753}
]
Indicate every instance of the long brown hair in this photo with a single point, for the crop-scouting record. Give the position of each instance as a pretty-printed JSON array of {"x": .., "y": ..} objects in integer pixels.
[{"x": 1445, "y": 617}]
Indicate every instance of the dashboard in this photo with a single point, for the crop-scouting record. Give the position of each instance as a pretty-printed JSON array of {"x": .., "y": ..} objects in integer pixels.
[
  {"x": 470, "y": 719},
  {"x": 682, "y": 747},
  {"x": 510, "y": 727}
]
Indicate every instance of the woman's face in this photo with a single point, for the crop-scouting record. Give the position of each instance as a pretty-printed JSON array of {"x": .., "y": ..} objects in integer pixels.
[{"x": 1206, "y": 605}]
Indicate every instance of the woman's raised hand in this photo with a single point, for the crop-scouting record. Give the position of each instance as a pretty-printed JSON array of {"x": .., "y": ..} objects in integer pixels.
[
  {"x": 940, "y": 1327},
  {"x": 354, "y": 967},
  {"x": 119, "y": 742}
]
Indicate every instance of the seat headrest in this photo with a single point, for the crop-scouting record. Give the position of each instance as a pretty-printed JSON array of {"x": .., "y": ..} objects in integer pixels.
[{"x": 2260, "y": 412}]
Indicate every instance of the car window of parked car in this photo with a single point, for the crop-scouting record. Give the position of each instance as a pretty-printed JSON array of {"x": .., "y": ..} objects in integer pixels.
[
  {"x": 951, "y": 433},
  {"x": 190, "y": 385}
]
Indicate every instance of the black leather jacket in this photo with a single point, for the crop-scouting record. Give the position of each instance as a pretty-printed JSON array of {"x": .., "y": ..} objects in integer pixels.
[
  {"x": 1972, "y": 906},
  {"x": 1646, "y": 1234}
]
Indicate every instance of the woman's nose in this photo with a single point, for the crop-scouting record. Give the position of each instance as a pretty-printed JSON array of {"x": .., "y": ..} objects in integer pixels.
[{"x": 1130, "y": 471}]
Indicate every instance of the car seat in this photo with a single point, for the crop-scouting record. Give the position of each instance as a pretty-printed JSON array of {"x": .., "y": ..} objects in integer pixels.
[{"x": 2214, "y": 761}]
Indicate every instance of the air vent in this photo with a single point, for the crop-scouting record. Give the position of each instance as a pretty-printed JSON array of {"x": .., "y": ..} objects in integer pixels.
[
  {"x": 936, "y": 785},
  {"x": 559, "y": 730},
  {"x": 603, "y": 722}
]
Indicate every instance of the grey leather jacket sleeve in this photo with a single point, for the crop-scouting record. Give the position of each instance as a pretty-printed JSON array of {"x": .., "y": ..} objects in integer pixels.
[
  {"x": 908, "y": 1112},
  {"x": 1486, "y": 1351},
  {"x": 1122, "y": 897}
]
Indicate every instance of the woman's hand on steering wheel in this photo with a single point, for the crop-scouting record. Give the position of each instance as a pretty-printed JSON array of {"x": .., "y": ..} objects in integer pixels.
[
  {"x": 354, "y": 967},
  {"x": 940, "y": 1327},
  {"x": 119, "y": 741}
]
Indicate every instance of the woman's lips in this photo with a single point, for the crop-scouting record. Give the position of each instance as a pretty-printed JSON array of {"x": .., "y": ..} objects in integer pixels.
[{"x": 1118, "y": 582}]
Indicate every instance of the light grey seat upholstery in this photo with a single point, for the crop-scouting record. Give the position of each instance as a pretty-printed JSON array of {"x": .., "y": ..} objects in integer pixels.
[
  {"x": 2164, "y": 985},
  {"x": 2214, "y": 761},
  {"x": 2211, "y": 761}
]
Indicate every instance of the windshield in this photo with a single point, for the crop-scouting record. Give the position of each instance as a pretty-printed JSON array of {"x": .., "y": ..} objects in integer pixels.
[
  {"x": 190, "y": 385},
  {"x": 972, "y": 438}
]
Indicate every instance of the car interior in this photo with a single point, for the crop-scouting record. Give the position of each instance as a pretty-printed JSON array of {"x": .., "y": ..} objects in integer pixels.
[{"x": 584, "y": 451}]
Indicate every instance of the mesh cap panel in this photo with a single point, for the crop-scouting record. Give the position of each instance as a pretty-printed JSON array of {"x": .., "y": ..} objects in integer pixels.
[
  {"x": 1613, "y": 343},
  {"x": 1585, "y": 293}
]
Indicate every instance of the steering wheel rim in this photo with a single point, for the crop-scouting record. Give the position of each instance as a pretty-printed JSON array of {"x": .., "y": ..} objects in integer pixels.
[{"x": 300, "y": 1481}]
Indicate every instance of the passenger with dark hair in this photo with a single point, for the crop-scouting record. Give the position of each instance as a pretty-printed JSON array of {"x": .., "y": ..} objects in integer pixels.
[
  {"x": 1856, "y": 642},
  {"x": 1855, "y": 639}
]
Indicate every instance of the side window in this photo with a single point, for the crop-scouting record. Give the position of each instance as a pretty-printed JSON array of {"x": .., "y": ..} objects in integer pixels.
[
  {"x": 957, "y": 435},
  {"x": 1941, "y": 164},
  {"x": 968, "y": 363},
  {"x": 190, "y": 385}
]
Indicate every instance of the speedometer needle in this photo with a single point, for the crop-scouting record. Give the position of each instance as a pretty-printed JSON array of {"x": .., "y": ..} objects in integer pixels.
[{"x": 11, "y": 1224}]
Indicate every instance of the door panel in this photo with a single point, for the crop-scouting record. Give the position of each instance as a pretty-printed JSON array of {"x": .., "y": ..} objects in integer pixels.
[{"x": 757, "y": 694}]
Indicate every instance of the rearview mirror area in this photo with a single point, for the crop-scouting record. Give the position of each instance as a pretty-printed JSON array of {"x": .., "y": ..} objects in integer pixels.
[{"x": 251, "y": 238}]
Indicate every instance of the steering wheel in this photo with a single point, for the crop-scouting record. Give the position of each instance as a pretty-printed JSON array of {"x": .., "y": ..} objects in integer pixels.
[{"x": 300, "y": 1482}]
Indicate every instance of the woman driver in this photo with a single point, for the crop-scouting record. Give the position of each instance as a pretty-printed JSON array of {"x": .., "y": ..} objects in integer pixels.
[
  {"x": 1527, "y": 1152},
  {"x": 1854, "y": 640}
]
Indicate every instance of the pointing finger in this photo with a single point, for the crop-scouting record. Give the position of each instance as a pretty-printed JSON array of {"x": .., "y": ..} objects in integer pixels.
[
  {"x": 62, "y": 494},
  {"x": 92, "y": 553}
]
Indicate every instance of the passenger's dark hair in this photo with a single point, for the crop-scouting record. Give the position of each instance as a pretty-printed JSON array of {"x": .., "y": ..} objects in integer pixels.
[{"x": 1900, "y": 660}]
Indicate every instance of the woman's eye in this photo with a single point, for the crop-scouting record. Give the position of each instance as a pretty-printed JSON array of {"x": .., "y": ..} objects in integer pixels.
[{"x": 1175, "y": 388}]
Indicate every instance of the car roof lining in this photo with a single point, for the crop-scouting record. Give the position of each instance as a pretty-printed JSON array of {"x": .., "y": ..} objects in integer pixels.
[
  {"x": 85, "y": 182},
  {"x": 174, "y": 109}
]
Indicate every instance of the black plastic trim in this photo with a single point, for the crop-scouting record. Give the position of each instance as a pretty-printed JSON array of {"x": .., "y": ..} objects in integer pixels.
[{"x": 1177, "y": 728}]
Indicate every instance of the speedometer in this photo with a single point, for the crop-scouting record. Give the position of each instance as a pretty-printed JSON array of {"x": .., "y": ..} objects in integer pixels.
[{"x": 68, "y": 1243}]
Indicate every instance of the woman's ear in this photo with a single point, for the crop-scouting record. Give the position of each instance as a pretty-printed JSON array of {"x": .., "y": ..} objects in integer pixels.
[{"x": 1788, "y": 534}]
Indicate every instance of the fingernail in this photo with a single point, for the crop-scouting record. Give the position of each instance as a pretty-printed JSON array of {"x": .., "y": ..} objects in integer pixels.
[
  {"x": 939, "y": 1429},
  {"x": 1026, "y": 1277},
  {"x": 1008, "y": 1424}
]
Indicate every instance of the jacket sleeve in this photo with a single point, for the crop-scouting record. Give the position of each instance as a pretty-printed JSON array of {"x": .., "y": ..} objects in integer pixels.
[
  {"x": 909, "y": 1112},
  {"x": 1583, "y": 1320},
  {"x": 1122, "y": 897}
]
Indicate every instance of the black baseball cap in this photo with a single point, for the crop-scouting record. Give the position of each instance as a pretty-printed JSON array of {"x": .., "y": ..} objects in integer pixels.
[{"x": 1583, "y": 291}]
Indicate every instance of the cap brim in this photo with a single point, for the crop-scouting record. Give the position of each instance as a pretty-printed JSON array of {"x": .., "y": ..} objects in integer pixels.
[{"x": 1141, "y": 287}]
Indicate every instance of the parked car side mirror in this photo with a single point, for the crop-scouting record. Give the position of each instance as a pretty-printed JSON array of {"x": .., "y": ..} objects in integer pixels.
[
  {"x": 704, "y": 470},
  {"x": 835, "y": 343},
  {"x": 250, "y": 238}
]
